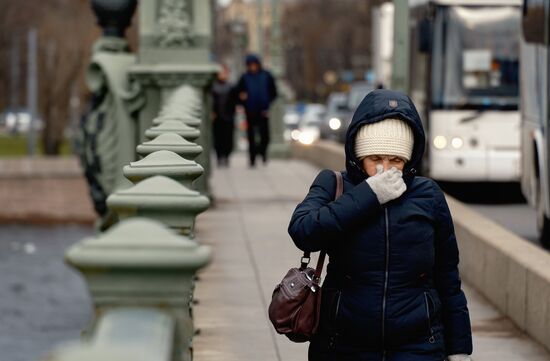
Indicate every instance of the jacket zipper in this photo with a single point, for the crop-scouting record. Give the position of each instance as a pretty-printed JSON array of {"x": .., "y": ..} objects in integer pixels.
[
  {"x": 432, "y": 338},
  {"x": 337, "y": 306},
  {"x": 386, "y": 274},
  {"x": 335, "y": 335}
]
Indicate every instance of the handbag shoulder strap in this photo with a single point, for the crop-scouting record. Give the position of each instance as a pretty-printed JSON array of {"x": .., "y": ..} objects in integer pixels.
[
  {"x": 322, "y": 254},
  {"x": 339, "y": 185}
]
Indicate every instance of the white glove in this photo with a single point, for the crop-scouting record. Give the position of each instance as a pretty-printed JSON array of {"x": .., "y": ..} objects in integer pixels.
[
  {"x": 387, "y": 185},
  {"x": 461, "y": 357}
]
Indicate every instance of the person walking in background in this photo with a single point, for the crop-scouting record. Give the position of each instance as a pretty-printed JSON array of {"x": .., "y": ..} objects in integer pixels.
[
  {"x": 392, "y": 290},
  {"x": 257, "y": 91},
  {"x": 223, "y": 116}
]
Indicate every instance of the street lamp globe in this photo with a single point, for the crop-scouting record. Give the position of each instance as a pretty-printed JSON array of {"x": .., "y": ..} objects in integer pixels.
[{"x": 114, "y": 16}]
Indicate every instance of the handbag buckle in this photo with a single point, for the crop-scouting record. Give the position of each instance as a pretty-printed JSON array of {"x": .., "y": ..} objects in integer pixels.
[{"x": 305, "y": 261}]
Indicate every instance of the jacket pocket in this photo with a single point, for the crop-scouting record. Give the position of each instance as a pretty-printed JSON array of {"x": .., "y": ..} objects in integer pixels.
[{"x": 430, "y": 307}]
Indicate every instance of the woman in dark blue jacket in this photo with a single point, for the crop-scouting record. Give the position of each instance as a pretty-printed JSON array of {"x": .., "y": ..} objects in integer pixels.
[{"x": 392, "y": 290}]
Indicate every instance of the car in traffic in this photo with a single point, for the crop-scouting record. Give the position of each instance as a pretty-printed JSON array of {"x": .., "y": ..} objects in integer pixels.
[
  {"x": 19, "y": 121},
  {"x": 337, "y": 110},
  {"x": 291, "y": 120},
  {"x": 357, "y": 92},
  {"x": 308, "y": 130}
]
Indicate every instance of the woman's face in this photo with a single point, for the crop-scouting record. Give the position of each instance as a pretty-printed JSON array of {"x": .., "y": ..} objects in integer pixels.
[{"x": 387, "y": 161}]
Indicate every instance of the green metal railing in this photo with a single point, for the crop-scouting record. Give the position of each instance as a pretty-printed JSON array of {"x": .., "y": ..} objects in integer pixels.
[{"x": 141, "y": 271}]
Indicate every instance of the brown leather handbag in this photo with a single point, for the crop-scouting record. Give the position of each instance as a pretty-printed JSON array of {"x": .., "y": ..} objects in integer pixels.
[{"x": 296, "y": 302}]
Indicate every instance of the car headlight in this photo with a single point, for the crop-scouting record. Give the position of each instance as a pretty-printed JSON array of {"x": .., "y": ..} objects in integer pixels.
[
  {"x": 440, "y": 142},
  {"x": 457, "y": 142},
  {"x": 306, "y": 138},
  {"x": 334, "y": 123},
  {"x": 295, "y": 134}
]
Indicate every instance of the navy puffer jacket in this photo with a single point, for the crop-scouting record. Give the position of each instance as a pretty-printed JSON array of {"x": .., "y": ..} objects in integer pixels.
[{"x": 392, "y": 290}]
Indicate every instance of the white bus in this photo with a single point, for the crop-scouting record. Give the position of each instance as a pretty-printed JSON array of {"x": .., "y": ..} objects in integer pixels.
[
  {"x": 463, "y": 65},
  {"x": 535, "y": 143}
]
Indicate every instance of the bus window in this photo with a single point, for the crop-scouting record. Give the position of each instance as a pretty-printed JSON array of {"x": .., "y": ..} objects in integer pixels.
[
  {"x": 419, "y": 68},
  {"x": 479, "y": 66},
  {"x": 533, "y": 21},
  {"x": 425, "y": 35}
]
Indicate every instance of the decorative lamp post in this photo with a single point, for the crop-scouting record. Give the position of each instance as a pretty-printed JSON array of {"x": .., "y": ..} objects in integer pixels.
[
  {"x": 108, "y": 132},
  {"x": 279, "y": 147},
  {"x": 114, "y": 16}
]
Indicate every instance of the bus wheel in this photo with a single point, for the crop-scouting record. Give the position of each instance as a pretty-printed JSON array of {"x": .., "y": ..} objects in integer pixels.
[{"x": 543, "y": 223}]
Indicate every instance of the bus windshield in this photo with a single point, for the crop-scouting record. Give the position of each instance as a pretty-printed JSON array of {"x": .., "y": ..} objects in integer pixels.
[{"x": 475, "y": 58}]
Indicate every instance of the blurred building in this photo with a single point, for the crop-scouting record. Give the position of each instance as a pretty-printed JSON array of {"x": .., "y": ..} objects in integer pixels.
[
  {"x": 326, "y": 44},
  {"x": 243, "y": 27}
]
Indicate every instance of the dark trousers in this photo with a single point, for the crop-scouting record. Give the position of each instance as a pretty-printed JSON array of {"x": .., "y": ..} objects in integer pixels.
[
  {"x": 223, "y": 139},
  {"x": 257, "y": 124}
]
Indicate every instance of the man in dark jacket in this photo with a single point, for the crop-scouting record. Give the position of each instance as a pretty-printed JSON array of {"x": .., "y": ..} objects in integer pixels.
[
  {"x": 392, "y": 290},
  {"x": 256, "y": 91}
]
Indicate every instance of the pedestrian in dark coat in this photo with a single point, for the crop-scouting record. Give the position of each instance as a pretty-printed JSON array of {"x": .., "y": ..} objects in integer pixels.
[
  {"x": 257, "y": 90},
  {"x": 392, "y": 290},
  {"x": 223, "y": 116}
]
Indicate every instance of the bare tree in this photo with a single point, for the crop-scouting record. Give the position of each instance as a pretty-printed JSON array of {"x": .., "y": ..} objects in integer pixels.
[
  {"x": 325, "y": 35},
  {"x": 66, "y": 32}
]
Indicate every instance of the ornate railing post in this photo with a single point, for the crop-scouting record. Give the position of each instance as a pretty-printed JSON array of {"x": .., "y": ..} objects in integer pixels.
[
  {"x": 189, "y": 120},
  {"x": 173, "y": 142},
  {"x": 140, "y": 276},
  {"x": 181, "y": 114},
  {"x": 162, "y": 199},
  {"x": 175, "y": 41},
  {"x": 165, "y": 163},
  {"x": 173, "y": 126}
]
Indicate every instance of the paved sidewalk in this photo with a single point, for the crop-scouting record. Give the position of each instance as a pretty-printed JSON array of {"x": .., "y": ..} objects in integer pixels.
[{"x": 252, "y": 251}]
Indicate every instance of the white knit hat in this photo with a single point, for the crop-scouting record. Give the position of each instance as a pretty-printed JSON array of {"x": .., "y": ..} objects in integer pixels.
[{"x": 386, "y": 137}]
